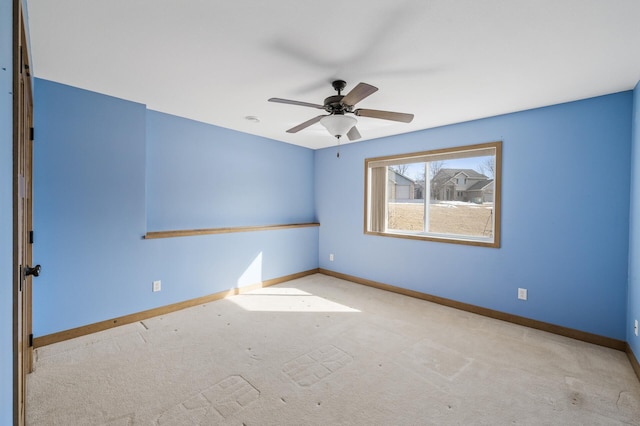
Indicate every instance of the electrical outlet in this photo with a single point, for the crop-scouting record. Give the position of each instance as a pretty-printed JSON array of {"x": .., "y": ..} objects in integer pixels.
[
  {"x": 635, "y": 327},
  {"x": 157, "y": 285},
  {"x": 522, "y": 293},
  {"x": 331, "y": 257}
]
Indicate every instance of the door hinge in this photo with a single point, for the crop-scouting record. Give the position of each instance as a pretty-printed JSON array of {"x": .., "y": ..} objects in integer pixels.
[
  {"x": 32, "y": 134},
  {"x": 31, "y": 340},
  {"x": 30, "y": 237}
]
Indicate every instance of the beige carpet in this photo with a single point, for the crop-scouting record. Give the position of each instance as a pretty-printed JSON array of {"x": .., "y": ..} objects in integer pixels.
[{"x": 322, "y": 351}]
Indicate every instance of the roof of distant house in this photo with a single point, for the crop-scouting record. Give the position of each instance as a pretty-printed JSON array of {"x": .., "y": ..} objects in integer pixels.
[
  {"x": 399, "y": 175},
  {"x": 481, "y": 184},
  {"x": 444, "y": 175}
]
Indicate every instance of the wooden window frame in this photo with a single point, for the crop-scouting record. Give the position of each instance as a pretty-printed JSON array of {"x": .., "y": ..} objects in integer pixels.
[{"x": 467, "y": 151}]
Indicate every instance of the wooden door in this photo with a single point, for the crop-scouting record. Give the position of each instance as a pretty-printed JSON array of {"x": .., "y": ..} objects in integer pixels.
[{"x": 22, "y": 165}]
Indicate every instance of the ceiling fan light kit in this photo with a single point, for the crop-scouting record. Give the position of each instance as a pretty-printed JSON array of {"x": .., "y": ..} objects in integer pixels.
[{"x": 337, "y": 123}]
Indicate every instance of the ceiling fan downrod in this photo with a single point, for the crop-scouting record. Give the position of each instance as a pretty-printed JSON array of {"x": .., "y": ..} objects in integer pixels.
[{"x": 339, "y": 85}]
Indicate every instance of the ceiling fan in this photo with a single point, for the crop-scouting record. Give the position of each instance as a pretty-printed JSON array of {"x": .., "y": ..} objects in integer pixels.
[{"x": 337, "y": 122}]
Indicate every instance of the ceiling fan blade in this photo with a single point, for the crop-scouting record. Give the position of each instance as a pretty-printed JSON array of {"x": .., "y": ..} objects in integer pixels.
[
  {"x": 306, "y": 124},
  {"x": 290, "y": 102},
  {"x": 385, "y": 115},
  {"x": 353, "y": 134},
  {"x": 358, "y": 93}
]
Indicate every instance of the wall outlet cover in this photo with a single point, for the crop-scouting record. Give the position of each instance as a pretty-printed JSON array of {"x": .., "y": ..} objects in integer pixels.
[
  {"x": 522, "y": 293},
  {"x": 157, "y": 286}
]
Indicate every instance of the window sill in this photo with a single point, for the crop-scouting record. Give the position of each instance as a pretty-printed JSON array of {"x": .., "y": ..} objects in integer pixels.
[{"x": 470, "y": 241}]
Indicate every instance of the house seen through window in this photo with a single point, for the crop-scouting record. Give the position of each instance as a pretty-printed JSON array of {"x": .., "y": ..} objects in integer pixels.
[{"x": 448, "y": 195}]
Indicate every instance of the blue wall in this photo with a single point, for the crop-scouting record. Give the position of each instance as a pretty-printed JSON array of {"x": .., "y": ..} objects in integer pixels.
[
  {"x": 102, "y": 170},
  {"x": 239, "y": 176},
  {"x": 565, "y": 217},
  {"x": 108, "y": 170},
  {"x": 6, "y": 214},
  {"x": 633, "y": 298}
]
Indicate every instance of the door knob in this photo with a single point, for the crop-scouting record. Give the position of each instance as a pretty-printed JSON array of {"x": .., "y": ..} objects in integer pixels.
[{"x": 35, "y": 271}]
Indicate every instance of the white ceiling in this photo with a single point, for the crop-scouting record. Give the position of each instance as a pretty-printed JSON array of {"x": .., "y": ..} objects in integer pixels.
[{"x": 446, "y": 61}]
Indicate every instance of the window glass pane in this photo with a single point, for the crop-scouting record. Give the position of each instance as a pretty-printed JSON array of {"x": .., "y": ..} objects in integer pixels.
[
  {"x": 405, "y": 197},
  {"x": 462, "y": 196}
]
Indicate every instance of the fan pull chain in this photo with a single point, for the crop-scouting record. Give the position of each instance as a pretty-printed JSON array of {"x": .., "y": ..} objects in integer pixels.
[{"x": 338, "y": 154}]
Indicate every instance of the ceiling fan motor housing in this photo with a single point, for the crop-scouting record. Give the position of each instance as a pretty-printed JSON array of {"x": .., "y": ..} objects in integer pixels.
[{"x": 333, "y": 105}]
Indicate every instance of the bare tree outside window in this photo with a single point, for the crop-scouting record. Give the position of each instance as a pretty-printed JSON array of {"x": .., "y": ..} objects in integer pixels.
[
  {"x": 435, "y": 167},
  {"x": 400, "y": 169},
  {"x": 488, "y": 167}
]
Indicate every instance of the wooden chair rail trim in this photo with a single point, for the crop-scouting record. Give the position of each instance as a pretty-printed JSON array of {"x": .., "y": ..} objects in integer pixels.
[
  {"x": 162, "y": 310},
  {"x": 515, "y": 319},
  {"x": 208, "y": 231}
]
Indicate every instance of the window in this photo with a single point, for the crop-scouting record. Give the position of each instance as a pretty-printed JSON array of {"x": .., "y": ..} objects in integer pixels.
[{"x": 450, "y": 195}]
